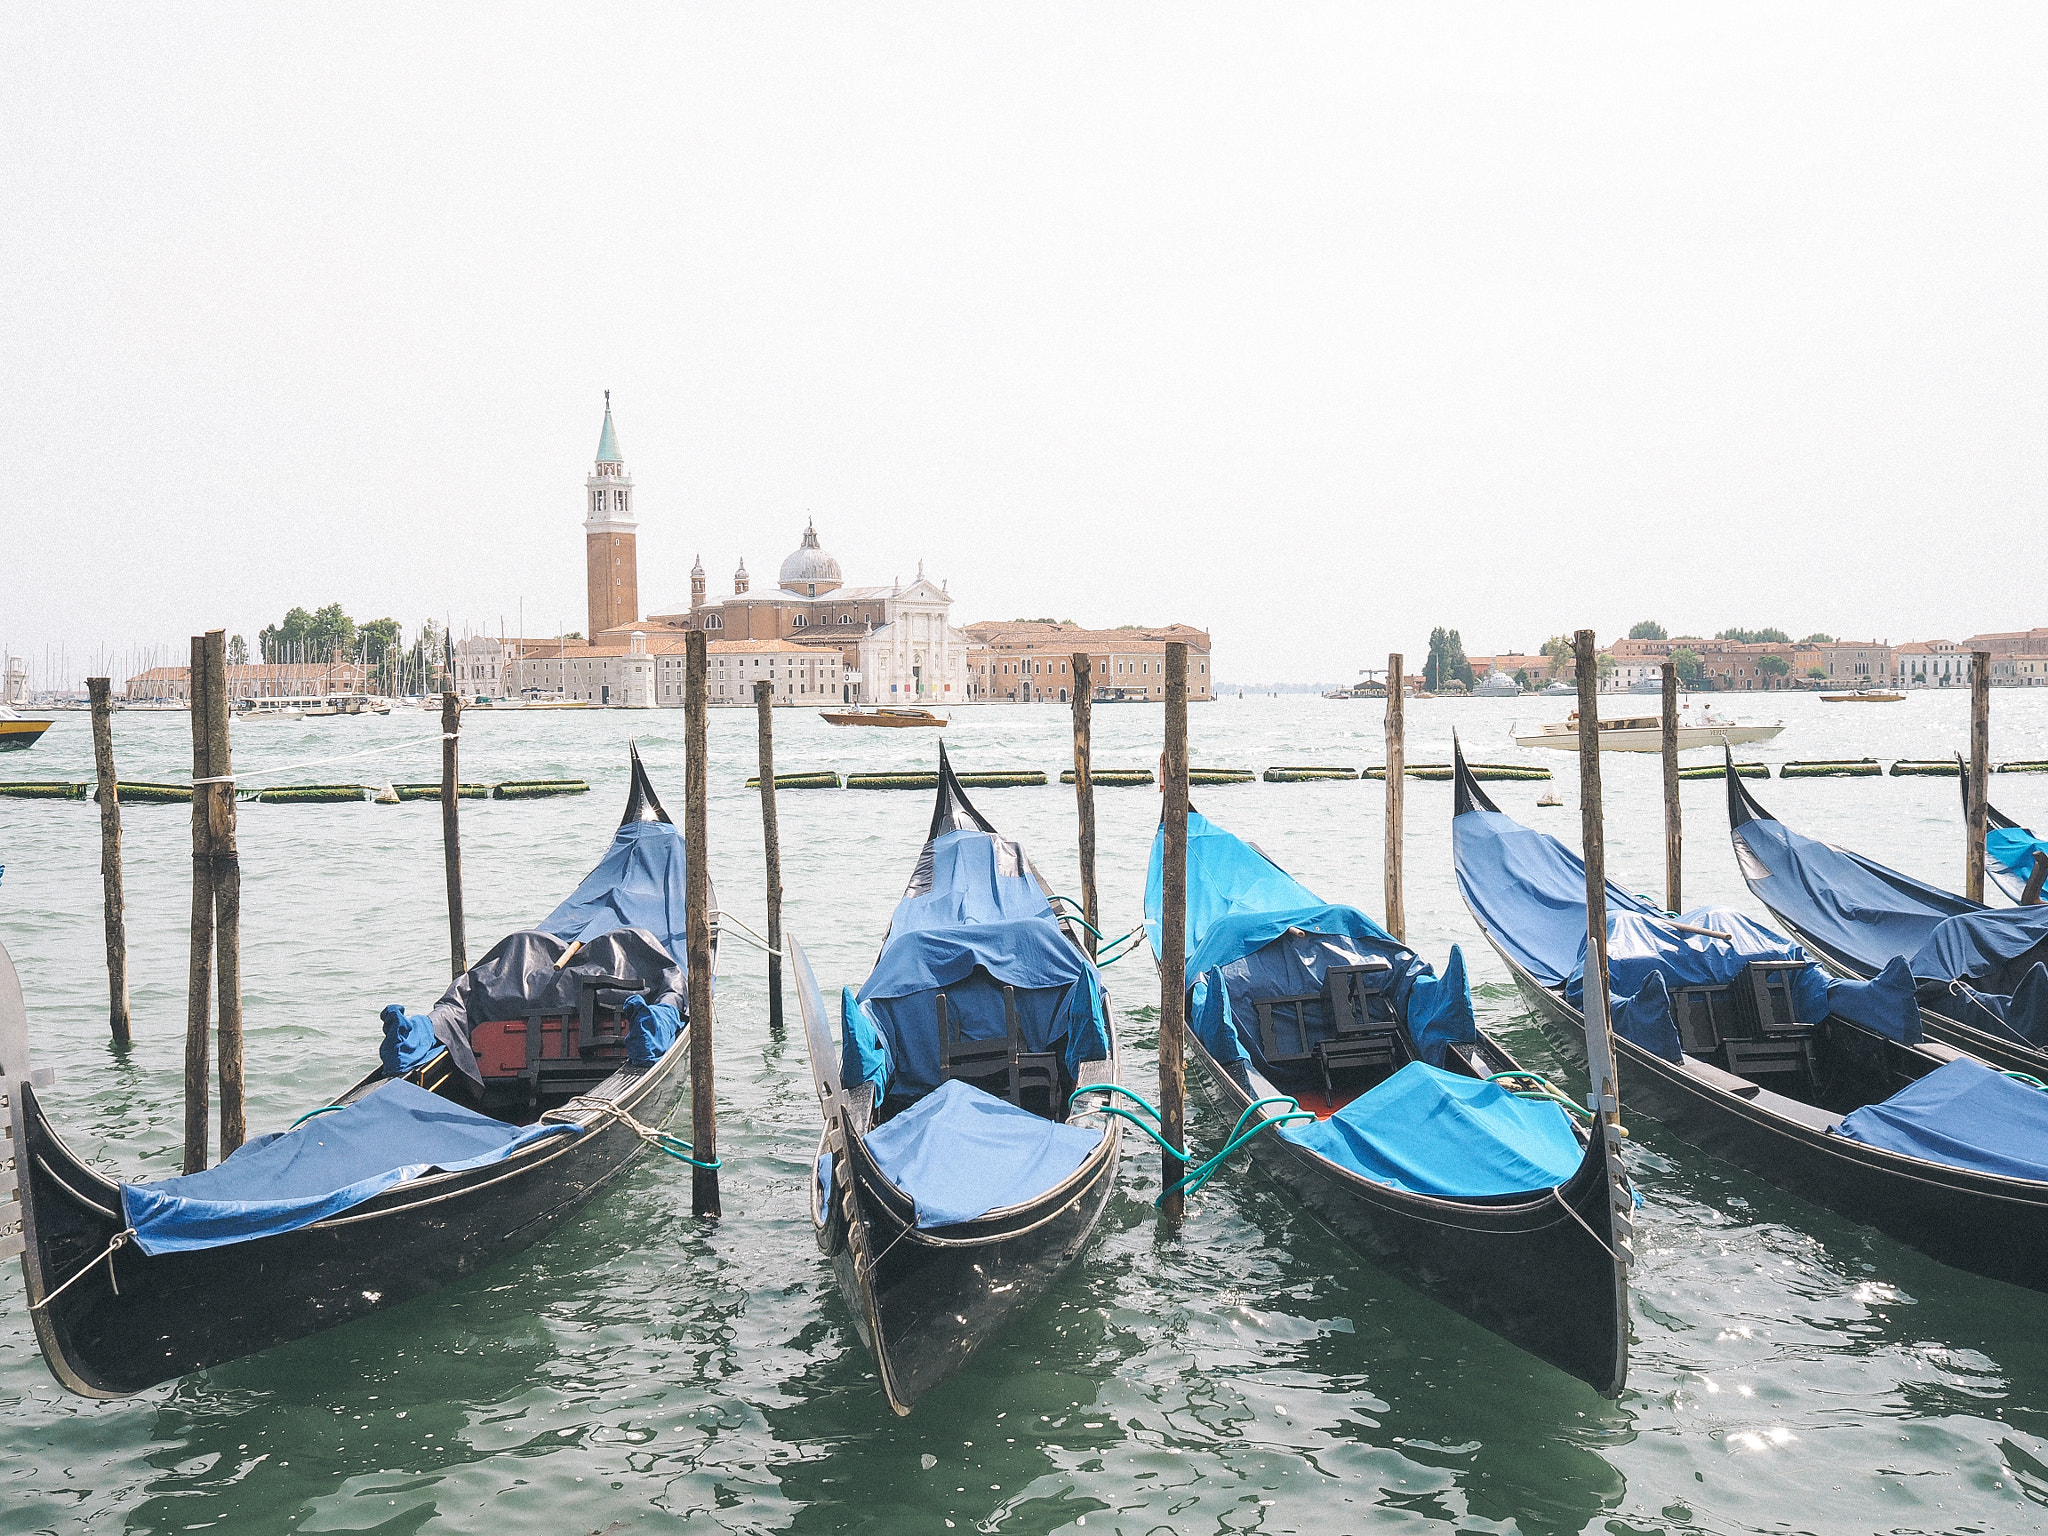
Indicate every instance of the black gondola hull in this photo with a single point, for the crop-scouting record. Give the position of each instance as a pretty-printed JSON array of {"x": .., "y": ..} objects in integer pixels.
[
  {"x": 180, "y": 1312},
  {"x": 925, "y": 1302},
  {"x": 1988, "y": 1226},
  {"x": 1548, "y": 1274}
]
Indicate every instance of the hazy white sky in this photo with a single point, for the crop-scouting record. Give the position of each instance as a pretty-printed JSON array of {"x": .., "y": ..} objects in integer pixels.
[{"x": 1316, "y": 325}]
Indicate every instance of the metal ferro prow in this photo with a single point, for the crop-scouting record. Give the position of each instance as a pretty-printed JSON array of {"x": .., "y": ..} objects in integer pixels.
[{"x": 15, "y": 1075}]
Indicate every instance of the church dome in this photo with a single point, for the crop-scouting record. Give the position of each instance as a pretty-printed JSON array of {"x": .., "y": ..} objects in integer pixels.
[{"x": 809, "y": 563}]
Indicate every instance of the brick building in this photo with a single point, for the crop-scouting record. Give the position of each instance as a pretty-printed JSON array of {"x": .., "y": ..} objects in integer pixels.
[
  {"x": 1022, "y": 662},
  {"x": 262, "y": 680}
]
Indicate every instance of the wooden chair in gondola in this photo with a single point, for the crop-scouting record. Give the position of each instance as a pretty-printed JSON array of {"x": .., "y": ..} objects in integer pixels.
[
  {"x": 1749, "y": 1026},
  {"x": 1334, "y": 1028},
  {"x": 1000, "y": 1060},
  {"x": 552, "y": 1056}
]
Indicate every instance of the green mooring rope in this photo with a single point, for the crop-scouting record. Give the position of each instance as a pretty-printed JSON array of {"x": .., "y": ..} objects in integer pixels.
[
  {"x": 1192, "y": 1181},
  {"x": 1124, "y": 1114},
  {"x": 2029, "y": 1079},
  {"x": 324, "y": 1109}
]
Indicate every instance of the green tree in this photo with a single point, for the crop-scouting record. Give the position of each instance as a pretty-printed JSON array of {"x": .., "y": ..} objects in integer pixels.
[
  {"x": 1446, "y": 662},
  {"x": 1687, "y": 661},
  {"x": 1819, "y": 672},
  {"x": 1774, "y": 666},
  {"x": 1756, "y": 636},
  {"x": 1606, "y": 666},
  {"x": 1649, "y": 629},
  {"x": 282, "y": 644},
  {"x": 238, "y": 651},
  {"x": 1558, "y": 651},
  {"x": 379, "y": 637},
  {"x": 1817, "y": 638}
]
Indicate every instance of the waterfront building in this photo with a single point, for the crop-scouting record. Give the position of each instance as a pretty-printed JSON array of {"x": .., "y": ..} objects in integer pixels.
[
  {"x": 610, "y": 564},
  {"x": 1022, "y": 661},
  {"x": 261, "y": 680},
  {"x": 1933, "y": 664},
  {"x": 801, "y": 674},
  {"x": 1858, "y": 663}
]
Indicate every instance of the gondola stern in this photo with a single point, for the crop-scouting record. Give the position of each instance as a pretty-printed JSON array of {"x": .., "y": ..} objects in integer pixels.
[
  {"x": 1742, "y": 805},
  {"x": 43, "y": 1160},
  {"x": 952, "y": 811},
  {"x": 642, "y": 804},
  {"x": 1466, "y": 795}
]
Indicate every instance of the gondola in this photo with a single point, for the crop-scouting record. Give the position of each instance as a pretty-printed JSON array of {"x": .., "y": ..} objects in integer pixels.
[
  {"x": 491, "y": 1120},
  {"x": 1977, "y": 970},
  {"x": 1422, "y": 1154},
  {"x": 2014, "y": 858},
  {"x": 1727, "y": 1033},
  {"x": 957, "y": 1175}
]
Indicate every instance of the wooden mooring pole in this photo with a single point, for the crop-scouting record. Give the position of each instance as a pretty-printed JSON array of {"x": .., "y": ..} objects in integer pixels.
[
  {"x": 1604, "y": 1101},
  {"x": 1674, "y": 834},
  {"x": 1979, "y": 799},
  {"x": 227, "y": 895},
  {"x": 100, "y": 691},
  {"x": 1084, "y": 796},
  {"x": 1397, "y": 780},
  {"x": 451, "y": 828},
  {"x": 1173, "y": 932},
  {"x": 199, "y": 974},
  {"x": 771, "y": 840},
  {"x": 697, "y": 924}
]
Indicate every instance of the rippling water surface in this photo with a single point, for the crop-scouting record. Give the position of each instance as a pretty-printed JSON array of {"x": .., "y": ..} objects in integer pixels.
[{"x": 640, "y": 1371}]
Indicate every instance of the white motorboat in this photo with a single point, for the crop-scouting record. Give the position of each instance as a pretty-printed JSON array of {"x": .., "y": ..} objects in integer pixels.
[{"x": 1645, "y": 733}]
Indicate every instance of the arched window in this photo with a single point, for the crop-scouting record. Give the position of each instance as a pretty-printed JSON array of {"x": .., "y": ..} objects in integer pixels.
[{"x": 803, "y": 621}]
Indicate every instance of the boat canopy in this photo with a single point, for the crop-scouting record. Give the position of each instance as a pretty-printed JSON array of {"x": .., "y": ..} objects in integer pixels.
[
  {"x": 1869, "y": 914},
  {"x": 1254, "y": 932},
  {"x": 1440, "y": 1133},
  {"x": 960, "y": 1153},
  {"x": 1963, "y": 1115},
  {"x": 979, "y": 923},
  {"x": 324, "y": 1165},
  {"x": 2009, "y": 856}
]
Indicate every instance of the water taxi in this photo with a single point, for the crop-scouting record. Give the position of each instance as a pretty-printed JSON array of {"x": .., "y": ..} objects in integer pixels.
[{"x": 1645, "y": 733}]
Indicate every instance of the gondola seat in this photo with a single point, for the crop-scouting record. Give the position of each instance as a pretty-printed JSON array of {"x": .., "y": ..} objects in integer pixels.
[
  {"x": 1342, "y": 1028},
  {"x": 1000, "y": 1065},
  {"x": 959, "y": 1153},
  {"x": 1963, "y": 1115}
]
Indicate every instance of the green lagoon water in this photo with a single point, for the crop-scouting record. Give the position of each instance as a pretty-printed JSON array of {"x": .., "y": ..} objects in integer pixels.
[{"x": 640, "y": 1371}]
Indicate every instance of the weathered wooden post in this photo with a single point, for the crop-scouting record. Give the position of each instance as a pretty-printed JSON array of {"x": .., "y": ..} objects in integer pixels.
[
  {"x": 1604, "y": 1100},
  {"x": 1173, "y": 932},
  {"x": 1674, "y": 836},
  {"x": 1397, "y": 778},
  {"x": 100, "y": 690},
  {"x": 227, "y": 894},
  {"x": 1084, "y": 796},
  {"x": 1979, "y": 798},
  {"x": 771, "y": 838},
  {"x": 199, "y": 975},
  {"x": 451, "y": 829},
  {"x": 697, "y": 905}
]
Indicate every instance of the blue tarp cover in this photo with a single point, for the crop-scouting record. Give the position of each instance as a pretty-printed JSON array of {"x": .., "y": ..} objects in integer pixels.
[
  {"x": 1530, "y": 892},
  {"x": 1963, "y": 1115},
  {"x": 282, "y": 1182},
  {"x": 651, "y": 1028},
  {"x": 1432, "y": 1132},
  {"x": 1886, "y": 1003},
  {"x": 984, "y": 913},
  {"x": 1638, "y": 945},
  {"x": 408, "y": 1040},
  {"x": 637, "y": 884},
  {"x": 960, "y": 1153},
  {"x": 2011, "y": 851},
  {"x": 1644, "y": 1018},
  {"x": 863, "y": 1053},
  {"x": 1991, "y": 950}
]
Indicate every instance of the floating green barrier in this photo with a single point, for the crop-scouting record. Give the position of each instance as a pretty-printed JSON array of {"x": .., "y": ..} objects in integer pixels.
[
  {"x": 1021, "y": 779},
  {"x": 799, "y": 781},
  {"x": 1935, "y": 768},
  {"x": 1440, "y": 772},
  {"x": 1720, "y": 771},
  {"x": 1306, "y": 775},
  {"x": 537, "y": 789},
  {"x": 1111, "y": 778},
  {"x": 433, "y": 791},
  {"x": 141, "y": 793},
  {"x": 32, "y": 789},
  {"x": 1843, "y": 768},
  {"x": 2023, "y": 767},
  {"x": 312, "y": 794},
  {"x": 892, "y": 781},
  {"x": 1212, "y": 776}
]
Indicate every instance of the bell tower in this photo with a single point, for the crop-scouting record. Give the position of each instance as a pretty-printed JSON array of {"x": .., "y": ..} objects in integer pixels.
[{"x": 608, "y": 530}]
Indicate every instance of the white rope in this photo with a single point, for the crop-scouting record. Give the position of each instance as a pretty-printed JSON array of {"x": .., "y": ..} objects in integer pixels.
[
  {"x": 321, "y": 762},
  {"x": 107, "y": 1253},
  {"x": 758, "y": 942}
]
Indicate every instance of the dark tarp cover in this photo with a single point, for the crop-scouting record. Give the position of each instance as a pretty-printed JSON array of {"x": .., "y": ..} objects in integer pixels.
[
  {"x": 1440, "y": 1133},
  {"x": 1887, "y": 1003},
  {"x": 960, "y": 1153},
  {"x": 2010, "y": 858},
  {"x": 2022, "y": 1016},
  {"x": 519, "y": 978},
  {"x": 984, "y": 923},
  {"x": 1991, "y": 950},
  {"x": 1963, "y": 1115},
  {"x": 1644, "y": 1018},
  {"x": 291, "y": 1179},
  {"x": 639, "y": 883}
]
